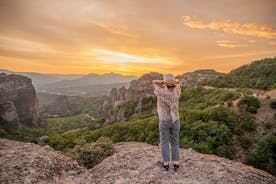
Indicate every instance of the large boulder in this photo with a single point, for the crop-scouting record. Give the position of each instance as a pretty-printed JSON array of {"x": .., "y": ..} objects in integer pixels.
[{"x": 18, "y": 100}]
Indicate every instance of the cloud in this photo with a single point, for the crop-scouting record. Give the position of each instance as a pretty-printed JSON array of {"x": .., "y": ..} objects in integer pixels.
[
  {"x": 116, "y": 29},
  {"x": 119, "y": 57},
  {"x": 24, "y": 45},
  {"x": 229, "y": 44},
  {"x": 273, "y": 43},
  {"x": 228, "y": 26}
]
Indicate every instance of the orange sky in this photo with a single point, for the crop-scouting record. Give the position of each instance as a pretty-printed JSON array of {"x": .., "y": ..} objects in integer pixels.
[{"x": 134, "y": 36}]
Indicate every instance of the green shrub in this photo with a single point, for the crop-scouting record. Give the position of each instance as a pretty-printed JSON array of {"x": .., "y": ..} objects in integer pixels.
[
  {"x": 90, "y": 154},
  {"x": 229, "y": 96},
  {"x": 203, "y": 147},
  {"x": 201, "y": 98},
  {"x": 61, "y": 143},
  {"x": 258, "y": 74},
  {"x": 133, "y": 130},
  {"x": 249, "y": 104},
  {"x": 224, "y": 116},
  {"x": 185, "y": 142},
  {"x": 128, "y": 107},
  {"x": 263, "y": 157},
  {"x": 207, "y": 137},
  {"x": 245, "y": 91},
  {"x": 245, "y": 142},
  {"x": 193, "y": 115},
  {"x": 148, "y": 103},
  {"x": 247, "y": 123},
  {"x": 227, "y": 151},
  {"x": 229, "y": 104}
]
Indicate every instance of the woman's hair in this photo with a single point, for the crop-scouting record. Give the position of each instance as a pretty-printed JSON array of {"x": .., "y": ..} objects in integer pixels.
[{"x": 171, "y": 86}]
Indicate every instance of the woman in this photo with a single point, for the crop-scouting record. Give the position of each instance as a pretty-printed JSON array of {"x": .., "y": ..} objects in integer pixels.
[{"x": 168, "y": 93}]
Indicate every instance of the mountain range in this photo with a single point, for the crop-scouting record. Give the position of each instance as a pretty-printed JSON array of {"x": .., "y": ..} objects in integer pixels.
[
  {"x": 76, "y": 84},
  {"x": 40, "y": 79}
]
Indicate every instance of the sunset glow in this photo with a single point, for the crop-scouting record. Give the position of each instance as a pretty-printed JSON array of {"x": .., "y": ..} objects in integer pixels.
[
  {"x": 134, "y": 37},
  {"x": 117, "y": 57}
]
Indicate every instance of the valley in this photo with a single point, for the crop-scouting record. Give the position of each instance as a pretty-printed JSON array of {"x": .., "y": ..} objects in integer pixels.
[{"x": 234, "y": 122}]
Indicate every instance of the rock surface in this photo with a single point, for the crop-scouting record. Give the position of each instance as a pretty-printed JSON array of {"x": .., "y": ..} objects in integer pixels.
[
  {"x": 132, "y": 162},
  {"x": 31, "y": 163},
  {"x": 18, "y": 100}
]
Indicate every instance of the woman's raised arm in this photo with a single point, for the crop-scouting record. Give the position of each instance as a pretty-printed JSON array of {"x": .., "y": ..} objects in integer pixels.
[{"x": 157, "y": 82}]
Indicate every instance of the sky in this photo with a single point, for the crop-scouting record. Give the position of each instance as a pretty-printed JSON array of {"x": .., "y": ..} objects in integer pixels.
[{"x": 134, "y": 37}]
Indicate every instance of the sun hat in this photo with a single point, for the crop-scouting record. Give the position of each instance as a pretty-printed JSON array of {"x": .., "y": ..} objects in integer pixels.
[{"x": 168, "y": 77}]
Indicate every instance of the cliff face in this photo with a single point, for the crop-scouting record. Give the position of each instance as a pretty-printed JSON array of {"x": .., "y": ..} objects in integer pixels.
[
  {"x": 132, "y": 162},
  {"x": 137, "y": 90},
  {"x": 142, "y": 88},
  {"x": 60, "y": 106},
  {"x": 18, "y": 100}
]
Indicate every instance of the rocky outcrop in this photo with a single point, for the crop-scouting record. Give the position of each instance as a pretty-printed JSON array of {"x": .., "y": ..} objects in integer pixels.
[
  {"x": 138, "y": 89},
  {"x": 193, "y": 78},
  {"x": 142, "y": 88},
  {"x": 141, "y": 163},
  {"x": 133, "y": 162},
  {"x": 60, "y": 107},
  {"x": 9, "y": 114},
  {"x": 18, "y": 100},
  {"x": 31, "y": 163}
]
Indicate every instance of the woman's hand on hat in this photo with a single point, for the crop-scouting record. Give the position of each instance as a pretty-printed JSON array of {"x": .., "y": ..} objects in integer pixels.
[{"x": 175, "y": 81}]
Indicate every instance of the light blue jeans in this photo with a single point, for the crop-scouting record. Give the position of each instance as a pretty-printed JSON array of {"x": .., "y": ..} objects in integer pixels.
[{"x": 169, "y": 133}]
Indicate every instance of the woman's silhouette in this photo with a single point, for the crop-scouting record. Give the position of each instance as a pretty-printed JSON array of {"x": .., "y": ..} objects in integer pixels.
[{"x": 168, "y": 93}]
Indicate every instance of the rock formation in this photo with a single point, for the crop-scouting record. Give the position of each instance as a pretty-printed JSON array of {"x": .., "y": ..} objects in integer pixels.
[
  {"x": 133, "y": 162},
  {"x": 18, "y": 100},
  {"x": 9, "y": 114},
  {"x": 60, "y": 106},
  {"x": 138, "y": 89},
  {"x": 193, "y": 78},
  {"x": 142, "y": 88}
]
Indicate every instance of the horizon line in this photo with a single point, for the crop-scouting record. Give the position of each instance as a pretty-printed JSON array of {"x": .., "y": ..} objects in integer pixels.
[{"x": 84, "y": 74}]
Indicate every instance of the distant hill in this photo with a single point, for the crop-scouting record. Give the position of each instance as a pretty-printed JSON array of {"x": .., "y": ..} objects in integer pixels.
[
  {"x": 76, "y": 84},
  {"x": 92, "y": 79},
  {"x": 88, "y": 85},
  {"x": 40, "y": 79},
  {"x": 193, "y": 78},
  {"x": 84, "y": 91},
  {"x": 259, "y": 74}
]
